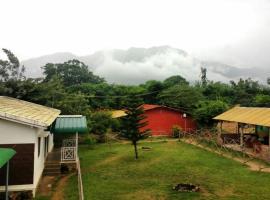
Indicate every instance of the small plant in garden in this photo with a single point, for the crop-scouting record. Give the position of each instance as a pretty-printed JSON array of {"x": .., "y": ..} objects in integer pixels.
[{"x": 176, "y": 131}]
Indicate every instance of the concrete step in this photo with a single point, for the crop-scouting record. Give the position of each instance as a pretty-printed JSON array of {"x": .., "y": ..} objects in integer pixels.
[
  {"x": 52, "y": 163},
  {"x": 51, "y": 173}
]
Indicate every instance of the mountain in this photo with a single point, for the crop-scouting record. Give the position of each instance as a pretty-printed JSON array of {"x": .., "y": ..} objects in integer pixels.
[
  {"x": 33, "y": 65},
  {"x": 137, "y": 65}
]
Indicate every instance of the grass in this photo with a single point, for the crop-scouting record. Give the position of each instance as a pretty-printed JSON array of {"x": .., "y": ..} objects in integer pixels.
[
  {"x": 112, "y": 173},
  {"x": 71, "y": 191}
]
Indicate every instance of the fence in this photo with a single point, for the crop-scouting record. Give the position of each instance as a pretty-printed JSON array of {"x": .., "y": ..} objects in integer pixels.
[
  {"x": 80, "y": 184},
  {"x": 229, "y": 146}
]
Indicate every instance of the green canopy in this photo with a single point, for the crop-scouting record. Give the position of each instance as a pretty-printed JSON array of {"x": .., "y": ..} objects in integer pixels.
[
  {"x": 70, "y": 124},
  {"x": 5, "y": 155}
]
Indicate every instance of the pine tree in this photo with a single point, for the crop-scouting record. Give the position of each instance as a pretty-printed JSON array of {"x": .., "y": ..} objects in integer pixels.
[{"x": 133, "y": 122}]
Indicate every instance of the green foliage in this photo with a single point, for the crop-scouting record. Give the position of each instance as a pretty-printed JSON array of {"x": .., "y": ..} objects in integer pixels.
[
  {"x": 262, "y": 100},
  {"x": 245, "y": 91},
  {"x": 90, "y": 140},
  {"x": 208, "y": 109},
  {"x": 99, "y": 123},
  {"x": 181, "y": 96},
  {"x": 72, "y": 72},
  {"x": 218, "y": 91},
  {"x": 153, "y": 88},
  {"x": 176, "y": 131},
  {"x": 174, "y": 80}
]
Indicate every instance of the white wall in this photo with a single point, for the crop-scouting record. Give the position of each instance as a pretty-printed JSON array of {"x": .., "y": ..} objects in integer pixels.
[
  {"x": 40, "y": 159},
  {"x": 15, "y": 133}
]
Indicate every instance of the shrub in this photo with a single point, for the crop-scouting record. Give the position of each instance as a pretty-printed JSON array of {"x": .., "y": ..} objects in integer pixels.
[
  {"x": 90, "y": 140},
  {"x": 176, "y": 131}
]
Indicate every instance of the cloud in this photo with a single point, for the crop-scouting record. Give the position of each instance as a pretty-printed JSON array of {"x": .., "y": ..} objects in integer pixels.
[{"x": 155, "y": 67}]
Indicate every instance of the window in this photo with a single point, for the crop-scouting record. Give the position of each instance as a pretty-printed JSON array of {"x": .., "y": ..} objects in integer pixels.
[{"x": 39, "y": 146}]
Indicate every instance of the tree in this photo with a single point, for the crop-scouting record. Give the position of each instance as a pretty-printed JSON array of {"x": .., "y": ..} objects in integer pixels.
[
  {"x": 174, "y": 80},
  {"x": 262, "y": 100},
  {"x": 132, "y": 124},
  {"x": 11, "y": 68},
  {"x": 208, "y": 109},
  {"x": 203, "y": 76},
  {"x": 244, "y": 91},
  {"x": 184, "y": 97},
  {"x": 153, "y": 88},
  {"x": 72, "y": 72},
  {"x": 218, "y": 91},
  {"x": 99, "y": 123}
]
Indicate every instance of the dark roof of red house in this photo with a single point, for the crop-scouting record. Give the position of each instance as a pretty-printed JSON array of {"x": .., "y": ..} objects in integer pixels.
[
  {"x": 153, "y": 106},
  {"x": 150, "y": 106}
]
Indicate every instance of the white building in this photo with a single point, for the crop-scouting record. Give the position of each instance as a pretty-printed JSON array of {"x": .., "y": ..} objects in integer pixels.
[{"x": 24, "y": 126}]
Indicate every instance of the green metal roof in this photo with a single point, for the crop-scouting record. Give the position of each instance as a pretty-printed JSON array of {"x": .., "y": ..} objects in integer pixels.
[
  {"x": 5, "y": 155},
  {"x": 70, "y": 124}
]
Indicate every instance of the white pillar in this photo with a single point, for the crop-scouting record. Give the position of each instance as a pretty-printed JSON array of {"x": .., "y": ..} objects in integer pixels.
[
  {"x": 77, "y": 146},
  {"x": 7, "y": 177}
]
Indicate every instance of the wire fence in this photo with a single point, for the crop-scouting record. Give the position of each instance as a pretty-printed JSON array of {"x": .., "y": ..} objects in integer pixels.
[{"x": 256, "y": 155}]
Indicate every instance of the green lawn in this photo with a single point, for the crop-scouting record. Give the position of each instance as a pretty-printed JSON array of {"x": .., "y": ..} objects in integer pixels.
[{"x": 112, "y": 173}]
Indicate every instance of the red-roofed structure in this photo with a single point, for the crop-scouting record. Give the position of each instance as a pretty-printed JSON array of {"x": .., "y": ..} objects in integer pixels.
[{"x": 161, "y": 120}]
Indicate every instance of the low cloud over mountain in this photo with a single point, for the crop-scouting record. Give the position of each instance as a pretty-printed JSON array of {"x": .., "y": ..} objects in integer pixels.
[{"x": 137, "y": 65}]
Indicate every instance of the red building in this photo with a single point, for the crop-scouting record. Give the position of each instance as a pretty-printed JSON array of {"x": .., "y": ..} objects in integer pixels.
[{"x": 161, "y": 119}]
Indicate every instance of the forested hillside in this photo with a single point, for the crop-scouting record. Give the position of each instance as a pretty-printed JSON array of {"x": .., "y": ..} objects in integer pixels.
[{"x": 73, "y": 89}]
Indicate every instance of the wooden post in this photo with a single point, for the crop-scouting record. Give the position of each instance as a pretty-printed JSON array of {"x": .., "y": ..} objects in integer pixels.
[
  {"x": 220, "y": 130},
  {"x": 241, "y": 137},
  {"x": 269, "y": 139},
  {"x": 219, "y": 138}
]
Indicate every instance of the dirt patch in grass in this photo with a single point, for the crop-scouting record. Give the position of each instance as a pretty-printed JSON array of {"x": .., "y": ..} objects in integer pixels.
[
  {"x": 46, "y": 185},
  {"x": 59, "y": 190},
  {"x": 225, "y": 192},
  {"x": 204, "y": 192}
]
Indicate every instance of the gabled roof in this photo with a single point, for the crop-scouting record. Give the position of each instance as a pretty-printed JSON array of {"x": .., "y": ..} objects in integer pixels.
[
  {"x": 153, "y": 106},
  {"x": 26, "y": 112},
  {"x": 5, "y": 155},
  {"x": 247, "y": 115},
  {"x": 150, "y": 106},
  {"x": 70, "y": 124}
]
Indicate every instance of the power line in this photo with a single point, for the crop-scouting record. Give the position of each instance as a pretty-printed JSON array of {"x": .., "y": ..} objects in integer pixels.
[{"x": 122, "y": 96}]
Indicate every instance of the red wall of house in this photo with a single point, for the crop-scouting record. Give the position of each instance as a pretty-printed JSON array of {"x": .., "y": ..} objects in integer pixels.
[{"x": 161, "y": 120}]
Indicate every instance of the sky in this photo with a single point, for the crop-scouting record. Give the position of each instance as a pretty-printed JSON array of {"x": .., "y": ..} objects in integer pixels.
[{"x": 235, "y": 32}]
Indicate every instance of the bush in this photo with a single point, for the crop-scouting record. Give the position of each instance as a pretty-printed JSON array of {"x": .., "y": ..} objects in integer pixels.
[
  {"x": 100, "y": 122},
  {"x": 90, "y": 140},
  {"x": 176, "y": 131}
]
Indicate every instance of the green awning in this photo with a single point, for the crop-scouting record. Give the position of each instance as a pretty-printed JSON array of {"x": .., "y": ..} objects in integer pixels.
[
  {"x": 5, "y": 155},
  {"x": 70, "y": 124}
]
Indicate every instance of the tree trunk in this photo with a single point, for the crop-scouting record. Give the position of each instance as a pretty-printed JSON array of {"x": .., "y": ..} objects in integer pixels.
[{"x": 135, "y": 149}]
